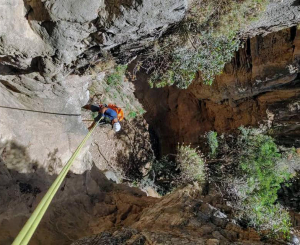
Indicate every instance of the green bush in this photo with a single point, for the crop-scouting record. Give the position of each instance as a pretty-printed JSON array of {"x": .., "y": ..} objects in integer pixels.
[
  {"x": 258, "y": 164},
  {"x": 212, "y": 142},
  {"x": 132, "y": 115},
  {"x": 117, "y": 77},
  {"x": 163, "y": 175},
  {"x": 263, "y": 176},
  {"x": 225, "y": 16},
  {"x": 272, "y": 218},
  {"x": 191, "y": 164},
  {"x": 209, "y": 57},
  {"x": 214, "y": 54},
  {"x": 205, "y": 41},
  {"x": 166, "y": 175},
  {"x": 254, "y": 183}
]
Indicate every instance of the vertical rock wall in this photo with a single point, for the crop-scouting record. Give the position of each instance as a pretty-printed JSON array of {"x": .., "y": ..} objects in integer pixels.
[
  {"x": 42, "y": 45},
  {"x": 259, "y": 86}
]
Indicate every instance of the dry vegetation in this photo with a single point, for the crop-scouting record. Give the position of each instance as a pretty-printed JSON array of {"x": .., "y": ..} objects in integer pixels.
[
  {"x": 204, "y": 41},
  {"x": 248, "y": 168},
  {"x": 110, "y": 85}
]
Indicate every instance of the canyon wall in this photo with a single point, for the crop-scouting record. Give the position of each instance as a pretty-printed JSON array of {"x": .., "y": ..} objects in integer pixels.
[
  {"x": 187, "y": 216},
  {"x": 260, "y": 86},
  {"x": 46, "y": 46},
  {"x": 43, "y": 45},
  {"x": 85, "y": 204}
]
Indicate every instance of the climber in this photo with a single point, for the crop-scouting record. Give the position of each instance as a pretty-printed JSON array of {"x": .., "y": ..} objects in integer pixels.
[{"x": 105, "y": 114}]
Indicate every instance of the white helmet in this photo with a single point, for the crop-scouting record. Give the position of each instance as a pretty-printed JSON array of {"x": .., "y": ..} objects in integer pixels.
[{"x": 117, "y": 126}]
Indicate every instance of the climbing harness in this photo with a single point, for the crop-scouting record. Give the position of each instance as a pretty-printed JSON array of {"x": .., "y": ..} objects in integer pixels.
[
  {"x": 29, "y": 228},
  {"x": 118, "y": 110}
]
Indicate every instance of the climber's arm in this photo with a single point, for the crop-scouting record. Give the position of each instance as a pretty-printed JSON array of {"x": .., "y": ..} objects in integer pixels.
[{"x": 98, "y": 118}]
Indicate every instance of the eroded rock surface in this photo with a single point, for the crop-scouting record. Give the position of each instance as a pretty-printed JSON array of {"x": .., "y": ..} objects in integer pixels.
[
  {"x": 49, "y": 139},
  {"x": 42, "y": 44},
  {"x": 64, "y": 35},
  {"x": 279, "y": 14},
  {"x": 84, "y": 205},
  {"x": 183, "y": 217},
  {"x": 259, "y": 86}
]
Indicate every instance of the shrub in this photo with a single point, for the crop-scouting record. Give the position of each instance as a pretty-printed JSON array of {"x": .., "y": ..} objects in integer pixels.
[
  {"x": 213, "y": 142},
  {"x": 135, "y": 113},
  {"x": 272, "y": 218},
  {"x": 256, "y": 177},
  {"x": 166, "y": 175},
  {"x": 225, "y": 16},
  {"x": 132, "y": 115},
  {"x": 191, "y": 164},
  {"x": 214, "y": 54},
  {"x": 163, "y": 175},
  {"x": 258, "y": 163},
  {"x": 205, "y": 41},
  {"x": 210, "y": 57},
  {"x": 116, "y": 77}
]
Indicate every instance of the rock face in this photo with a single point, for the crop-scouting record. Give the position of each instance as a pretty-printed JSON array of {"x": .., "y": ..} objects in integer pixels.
[
  {"x": 278, "y": 15},
  {"x": 63, "y": 35},
  {"x": 49, "y": 139},
  {"x": 183, "y": 217},
  {"x": 42, "y": 43},
  {"x": 85, "y": 204},
  {"x": 260, "y": 85},
  {"x": 89, "y": 204},
  {"x": 44, "y": 48}
]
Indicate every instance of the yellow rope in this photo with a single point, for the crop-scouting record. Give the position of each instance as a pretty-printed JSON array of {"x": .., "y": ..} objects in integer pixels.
[{"x": 29, "y": 228}]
